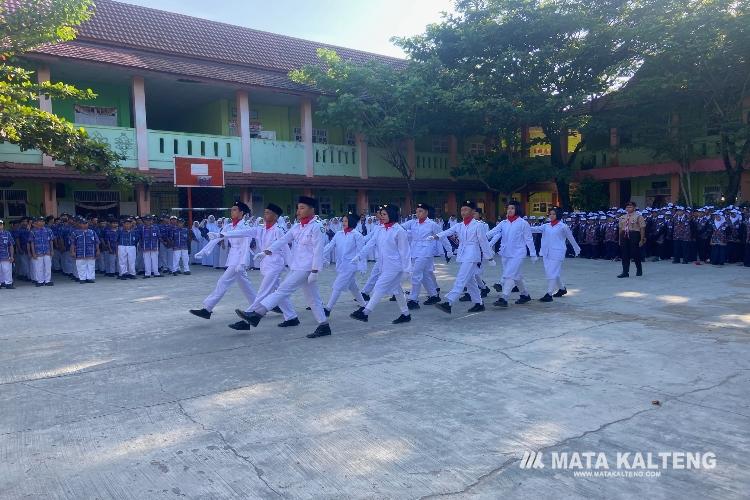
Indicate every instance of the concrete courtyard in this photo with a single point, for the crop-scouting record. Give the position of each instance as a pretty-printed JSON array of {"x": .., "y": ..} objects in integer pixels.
[{"x": 113, "y": 390}]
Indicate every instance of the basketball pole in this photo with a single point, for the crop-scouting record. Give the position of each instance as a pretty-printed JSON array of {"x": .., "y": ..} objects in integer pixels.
[{"x": 190, "y": 206}]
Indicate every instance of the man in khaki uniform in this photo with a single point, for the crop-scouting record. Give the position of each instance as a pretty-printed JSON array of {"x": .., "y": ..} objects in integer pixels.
[{"x": 632, "y": 231}]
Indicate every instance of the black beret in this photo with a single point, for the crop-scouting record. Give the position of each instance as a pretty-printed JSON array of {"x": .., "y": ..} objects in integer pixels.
[
  {"x": 310, "y": 202},
  {"x": 242, "y": 207},
  {"x": 424, "y": 206},
  {"x": 274, "y": 208},
  {"x": 470, "y": 204}
]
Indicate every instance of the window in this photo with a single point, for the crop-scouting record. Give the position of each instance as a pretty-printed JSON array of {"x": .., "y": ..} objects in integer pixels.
[
  {"x": 440, "y": 145},
  {"x": 319, "y": 135},
  {"x": 13, "y": 203},
  {"x": 712, "y": 194},
  {"x": 325, "y": 206},
  {"x": 350, "y": 139},
  {"x": 95, "y": 115},
  {"x": 477, "y": 149}
]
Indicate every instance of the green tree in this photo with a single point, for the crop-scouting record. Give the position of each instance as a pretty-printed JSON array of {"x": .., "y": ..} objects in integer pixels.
[
  {"x": 544, "y": 59},
  {"x": 590, "y": 195},
  {"x": 23, "y": 26}
]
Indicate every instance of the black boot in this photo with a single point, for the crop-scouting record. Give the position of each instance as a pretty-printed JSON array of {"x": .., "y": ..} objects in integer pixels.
[
  {"x": 431, "y": 300},
  {"x": 289, "y": 322},
  {"x": 485, "y": 292},
  {"x": 476, "y": 308},
  {"x": 444, "y": 306},
  {"x": 240, "y": 325},
  {"x": 560, "y": 292},
  {"x": 201, "y": 313},
  {"x": 253, "y": 318},
  {"x": 277, "y": 310},
  {"x": 523, "y": 299},
  {"x": 623, "y": 275},
  {"x": 498, "y": 287},
  {"x": 465, "y": 298},
  {"x": 412, "y": 304},
  {"x": 501, "y": 302},
  {"x": 547, "y": 298},
  {"x": 359, "y": 315},
  {"x": 320, "y": 331},
  {"x": 392, "y": 299},
  {"x": 327, "y": 312},
  {"x": 515, "y": 289},
  {"x": 404, "y": 318},
  {"x": 365, "y": 296}
]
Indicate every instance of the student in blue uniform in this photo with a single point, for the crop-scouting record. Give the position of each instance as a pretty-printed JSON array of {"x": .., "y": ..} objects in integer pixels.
[
  {"x": 180, "y": 242},
  {"x": 127, "y": 240},
  {"x": 150, "y": 238},
  {"x": 84, "y": 245},
  {"x": 7, "y": 244},
  {"x": 40, "y": 251}
]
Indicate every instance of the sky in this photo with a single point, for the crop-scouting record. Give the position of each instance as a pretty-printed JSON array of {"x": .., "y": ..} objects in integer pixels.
[{"x": 359, "y": 24}]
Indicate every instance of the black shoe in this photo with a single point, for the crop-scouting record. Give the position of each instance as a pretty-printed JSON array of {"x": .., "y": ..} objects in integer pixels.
[
  {"x": 186, "y": 273},
  {"x": 547, "y": 298},
  {"x": 560, "y": 292},
  {"x": 10, "y": 287},
  {"x": 465, "y": 298},
  {"x": 431, "y": 300},
  {"x": 404, "y": 318},
  {"x": 639, "y": 273},
  {"x": 515, "y": 289},
  {"x": 444, "y": 306},
  {"x": 501, "y": 302},
  {"x": 523, "y": 299},
  {"x": 308, "y": 308},
  {"x": 392, "y": 299},
  {"x": 82, "y": 282},
  {"x": 253, "y": 318},
  {"x": 158, "y": 275},
  {"x": 476, "y": 308},
  {"x": 320, "y": 331},
  {"x": 498, "y": 287},
  {"x": 289, "y": 322},
  {"x": 365, "y": 296},
  {"x": 359, "y": 315},
  {"x": 90, "y": 281},
  {"x": 485, "y": 292},
  {"x": 131, "y": 276},
  {"x": 146, "y": 277},
  {"x": 327, "y": 312},
  {"x": 412, "y": 304},
  {"x": 623, "y": 275},
  {"x": 38, "y": 284},
  {"x": 175, "y": 274},
  {"x": 201, "y": 313},
  {"x": 277, "y": 310},
  {"x": 240, "y": 325}
]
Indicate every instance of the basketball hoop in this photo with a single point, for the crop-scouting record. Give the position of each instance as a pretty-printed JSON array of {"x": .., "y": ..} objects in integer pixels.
[{"x": 204, "y": 180}]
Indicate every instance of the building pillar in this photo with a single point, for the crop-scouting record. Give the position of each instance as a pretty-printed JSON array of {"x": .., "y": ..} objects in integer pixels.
[
  {"x": 451, "y": 206},
  {"x": 452, "y": 151},
  {"x": 411, "y": 158},
  {"x": 243, "y": 126},
  {"x": 614, "y": 147},
  {"x": 45, "y": 104},
  {"x": 139, "y": 120},
  {"x": 674, "y": 185},
  {"x": 362, "y": 153},
  {"x": 745, "y": 186},
  {"x": 490, "y": 206},
  {"x": 614, "y": 194},
  {"x": 50, "y": 199},
  {"x": 363, "y": 202},
  {"x": 143, "y": 199},
  {"x": 306, "y": 125}
]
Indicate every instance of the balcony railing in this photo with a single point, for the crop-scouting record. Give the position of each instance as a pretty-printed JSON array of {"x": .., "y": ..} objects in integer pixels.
[
  {"x": 278, "y": 157},
  {"x": 164, "y": 146},
  {"x": 432, "y": 166},
  {"x": 330, "y": 159},
  {"x": 121, "y": 140},
  {"x": 13, "y": 154}
]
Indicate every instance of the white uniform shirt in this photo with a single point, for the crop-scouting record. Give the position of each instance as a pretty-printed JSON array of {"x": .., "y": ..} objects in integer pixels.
[
  {"x": 345, "y": 246},
  {"x": 307, "y": 241},
  {"x": 421, "y": 245},
  {"x": 392, "y": 248},
  {"x": 238, "y": 246},
  {"x": 472, "y": 241},
  {"x": 553, "y": 240},
  {"x": 516, "y": 238}
]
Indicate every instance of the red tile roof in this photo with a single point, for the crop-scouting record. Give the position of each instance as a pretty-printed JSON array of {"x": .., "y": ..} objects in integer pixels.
[{"x": 117, "y": 27}]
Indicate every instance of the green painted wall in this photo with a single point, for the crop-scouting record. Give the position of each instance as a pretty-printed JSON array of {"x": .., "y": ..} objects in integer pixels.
[
  {"x": 276, "y": 118},
  {"x": 107, "y": 95}
]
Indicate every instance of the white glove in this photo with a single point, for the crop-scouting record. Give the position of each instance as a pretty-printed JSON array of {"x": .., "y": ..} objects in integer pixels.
[
  {"x": 312, "y": 278},
  {"x": 213, "y": 236},
  {"x": 240, "y": 268}
]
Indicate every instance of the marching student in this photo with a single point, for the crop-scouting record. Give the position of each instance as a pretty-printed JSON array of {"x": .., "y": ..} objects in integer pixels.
[
  {"x": 423, "y": 255},
  {"x": 271, "y": 266},
  {"x": 7, "y": 253},
  {"x": 345, "y": 245},
  {"x": 555, "y": 233},
  {"x": 473, "y": 247},
  {"x": 308, "y": 239},
  {"x": 516, "y": 239},
  {"x": 237, "y": 261},
  {"x": 41, "y": 241},
  {"x": 394, "y": 256},
  {"x": 180, "y": 241},
  {"x": 84, "y": 245},
  {"x": 127, "y": 240},
  {"x": 150, "y": 238}
]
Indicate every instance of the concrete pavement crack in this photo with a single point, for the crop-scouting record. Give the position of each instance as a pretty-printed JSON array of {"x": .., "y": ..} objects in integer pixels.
[{"x": 228, "y": 446}]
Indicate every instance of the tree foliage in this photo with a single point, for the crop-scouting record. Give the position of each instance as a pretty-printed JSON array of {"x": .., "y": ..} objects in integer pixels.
[
  {"x": 590, "y": 195},
  {"x": 23, "y": 26}
]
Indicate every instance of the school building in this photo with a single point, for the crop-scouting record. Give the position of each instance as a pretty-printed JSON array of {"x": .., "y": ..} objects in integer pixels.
[{"x": 172, "y": 85}]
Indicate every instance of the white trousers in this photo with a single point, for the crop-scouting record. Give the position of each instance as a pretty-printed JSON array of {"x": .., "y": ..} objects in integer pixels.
[
  {"x": 512, "y": 275},
  {"x": 423, "y": 273},
  {"x": 230, "y": 276},
  {"x": 465, "y": 278},
  {"x": 293, "y": 281},
  {"x": 178, "y": 255},
  {"x": 345, "y": 280},
  {"x": 86, "y": 269},
  {"x": 6, "y": 272},
  {"x": 268, "y": 285},
  {"x": 388, "y": 283},
  {"x": 126, "y": 259},
  {"x": 374, "y": 275},
  {"x": 151, "y": 262},
  {"x": 553, "y": 272},
  {"x": 110, "y": 263},
  {"x": 42, "y": 269}
]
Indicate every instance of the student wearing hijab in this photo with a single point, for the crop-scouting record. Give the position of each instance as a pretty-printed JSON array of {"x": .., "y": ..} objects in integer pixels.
[
  {"x": 345, "y": 245},
  {"x": 719, "y": 239},
  {"x": 555, "y": 234}
]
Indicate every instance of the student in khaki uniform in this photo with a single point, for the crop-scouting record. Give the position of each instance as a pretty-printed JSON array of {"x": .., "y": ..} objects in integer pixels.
[{"x": 632, "y": 231}]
